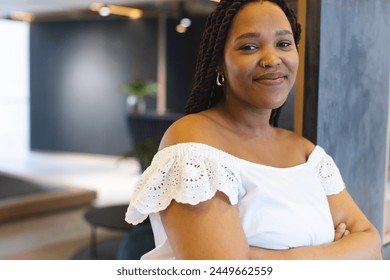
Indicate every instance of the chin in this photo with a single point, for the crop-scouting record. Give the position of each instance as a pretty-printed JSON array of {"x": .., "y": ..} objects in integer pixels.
[{"x": 277, "y": 103}]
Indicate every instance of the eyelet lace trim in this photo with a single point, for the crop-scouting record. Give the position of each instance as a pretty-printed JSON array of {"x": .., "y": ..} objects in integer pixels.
[
  {"x": 329, "y": 175},
  {"x": 186, "y": 175}
]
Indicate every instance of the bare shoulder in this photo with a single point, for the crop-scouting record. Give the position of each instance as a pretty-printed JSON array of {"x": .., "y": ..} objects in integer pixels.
[
  {"x": 297, "y": 142},
  {"x": 190, "y": 128}
]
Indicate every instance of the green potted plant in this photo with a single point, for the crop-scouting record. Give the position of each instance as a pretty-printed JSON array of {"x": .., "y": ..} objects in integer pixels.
[{"x": 137, "y": 90}]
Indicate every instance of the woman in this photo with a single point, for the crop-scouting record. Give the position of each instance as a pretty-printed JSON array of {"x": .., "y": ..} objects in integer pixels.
[{"x": 227, "y": 183}]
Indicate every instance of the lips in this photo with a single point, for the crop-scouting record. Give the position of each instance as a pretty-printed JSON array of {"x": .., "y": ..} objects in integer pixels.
[
  {"x": 271, "y": 76},
  {"x": 271, "y": 79}
]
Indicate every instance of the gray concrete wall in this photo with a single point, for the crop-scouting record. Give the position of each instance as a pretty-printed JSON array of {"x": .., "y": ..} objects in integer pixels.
[{"x": 353, "y": 96}]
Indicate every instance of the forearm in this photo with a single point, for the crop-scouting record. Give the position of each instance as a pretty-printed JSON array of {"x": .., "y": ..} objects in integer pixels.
[{"x": 359, "y": 245}]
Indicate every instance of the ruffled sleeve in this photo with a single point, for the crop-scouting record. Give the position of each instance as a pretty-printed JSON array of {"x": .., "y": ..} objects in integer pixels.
[
  {"x": 188, "y": 173},
  {"x": 327, "y": 171}
]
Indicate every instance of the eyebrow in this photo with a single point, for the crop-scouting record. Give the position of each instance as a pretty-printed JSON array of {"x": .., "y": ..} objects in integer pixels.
[
  {"x": 257, "y": 35},
  {"x": 283, "y": 32}
]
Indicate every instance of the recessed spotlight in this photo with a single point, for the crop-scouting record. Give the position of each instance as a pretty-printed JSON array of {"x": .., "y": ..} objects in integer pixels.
[
  {"x": 104, "y": 11},
  {"x": 186, "y": 22},
  {"x": 181, "y": 29}
]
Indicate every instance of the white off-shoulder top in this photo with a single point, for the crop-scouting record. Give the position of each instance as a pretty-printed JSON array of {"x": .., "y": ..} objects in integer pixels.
[{"x": 279, "y": 208}]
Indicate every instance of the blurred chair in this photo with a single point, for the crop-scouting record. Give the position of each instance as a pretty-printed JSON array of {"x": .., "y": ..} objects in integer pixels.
[{"x": 138, "y": 241}]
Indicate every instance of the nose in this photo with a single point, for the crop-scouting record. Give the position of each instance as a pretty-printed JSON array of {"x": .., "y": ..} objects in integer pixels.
[{"x": 270, "y": 60}]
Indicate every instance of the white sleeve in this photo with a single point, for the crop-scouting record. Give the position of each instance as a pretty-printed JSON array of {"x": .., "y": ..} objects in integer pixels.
[
  {"x": 188, "y": 173},
  {"x": 329, "y": 174}
]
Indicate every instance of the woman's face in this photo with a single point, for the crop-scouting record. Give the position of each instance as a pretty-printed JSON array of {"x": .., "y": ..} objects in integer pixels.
[{"x": 260, "y": 57}]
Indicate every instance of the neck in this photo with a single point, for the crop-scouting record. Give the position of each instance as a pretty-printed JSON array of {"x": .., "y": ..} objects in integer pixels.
[{"x": 249, "y": 121}]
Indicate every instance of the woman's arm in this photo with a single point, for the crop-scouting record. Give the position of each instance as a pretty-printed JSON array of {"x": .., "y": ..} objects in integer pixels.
[
  {"x": 361, "y": 242},
  {"x": 364, "y": 241},
  {"x": 211, "y": 229},
  {"x": 208, "y": 230}
]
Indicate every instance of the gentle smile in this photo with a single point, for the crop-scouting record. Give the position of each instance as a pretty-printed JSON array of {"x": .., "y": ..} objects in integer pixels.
[
  {"x": 271, "y": 79},
  {"x": 271, "y": 76}
]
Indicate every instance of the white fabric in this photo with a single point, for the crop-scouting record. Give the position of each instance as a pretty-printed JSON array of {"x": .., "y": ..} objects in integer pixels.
[{"x": 279, "y": 208}]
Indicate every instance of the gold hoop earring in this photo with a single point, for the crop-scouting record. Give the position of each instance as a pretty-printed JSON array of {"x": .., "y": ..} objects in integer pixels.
[{"x": 220, "y": 79}]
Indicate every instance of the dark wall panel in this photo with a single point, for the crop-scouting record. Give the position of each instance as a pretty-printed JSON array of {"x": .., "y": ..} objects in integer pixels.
[
  {"x": 182, "y": 50},
  {"x": 353, "y": 96},
  {"x": 76, "y": 71}
]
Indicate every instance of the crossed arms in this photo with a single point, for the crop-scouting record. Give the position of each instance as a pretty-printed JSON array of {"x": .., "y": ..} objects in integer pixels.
[{"x": 212, "y": 230}]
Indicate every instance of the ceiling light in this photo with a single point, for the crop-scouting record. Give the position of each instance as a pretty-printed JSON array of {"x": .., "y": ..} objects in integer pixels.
[
  {"x": 186, "y": 22},
  {"x": 181, "y": 29},
  {"x": 104, "y": 11},
  {"x": 117, "y": 10},
  {"x": 22, "y": 16},
  {"x": 135, "y": 14}
]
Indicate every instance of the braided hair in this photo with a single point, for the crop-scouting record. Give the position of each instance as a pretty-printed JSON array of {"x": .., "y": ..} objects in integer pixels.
[{"x": 205, "y": 94}]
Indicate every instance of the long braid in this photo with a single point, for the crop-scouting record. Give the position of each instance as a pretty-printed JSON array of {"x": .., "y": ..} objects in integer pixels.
[
  {"x": 217, "y": 56},
  {"x": 203, "y": 87},
  {"x": 205, "y": 94}
]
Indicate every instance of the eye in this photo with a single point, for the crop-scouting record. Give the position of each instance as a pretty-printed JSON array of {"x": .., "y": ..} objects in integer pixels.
[
  {"x": 249, "y": 47},
  {"x": 284, "y": 44}
]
